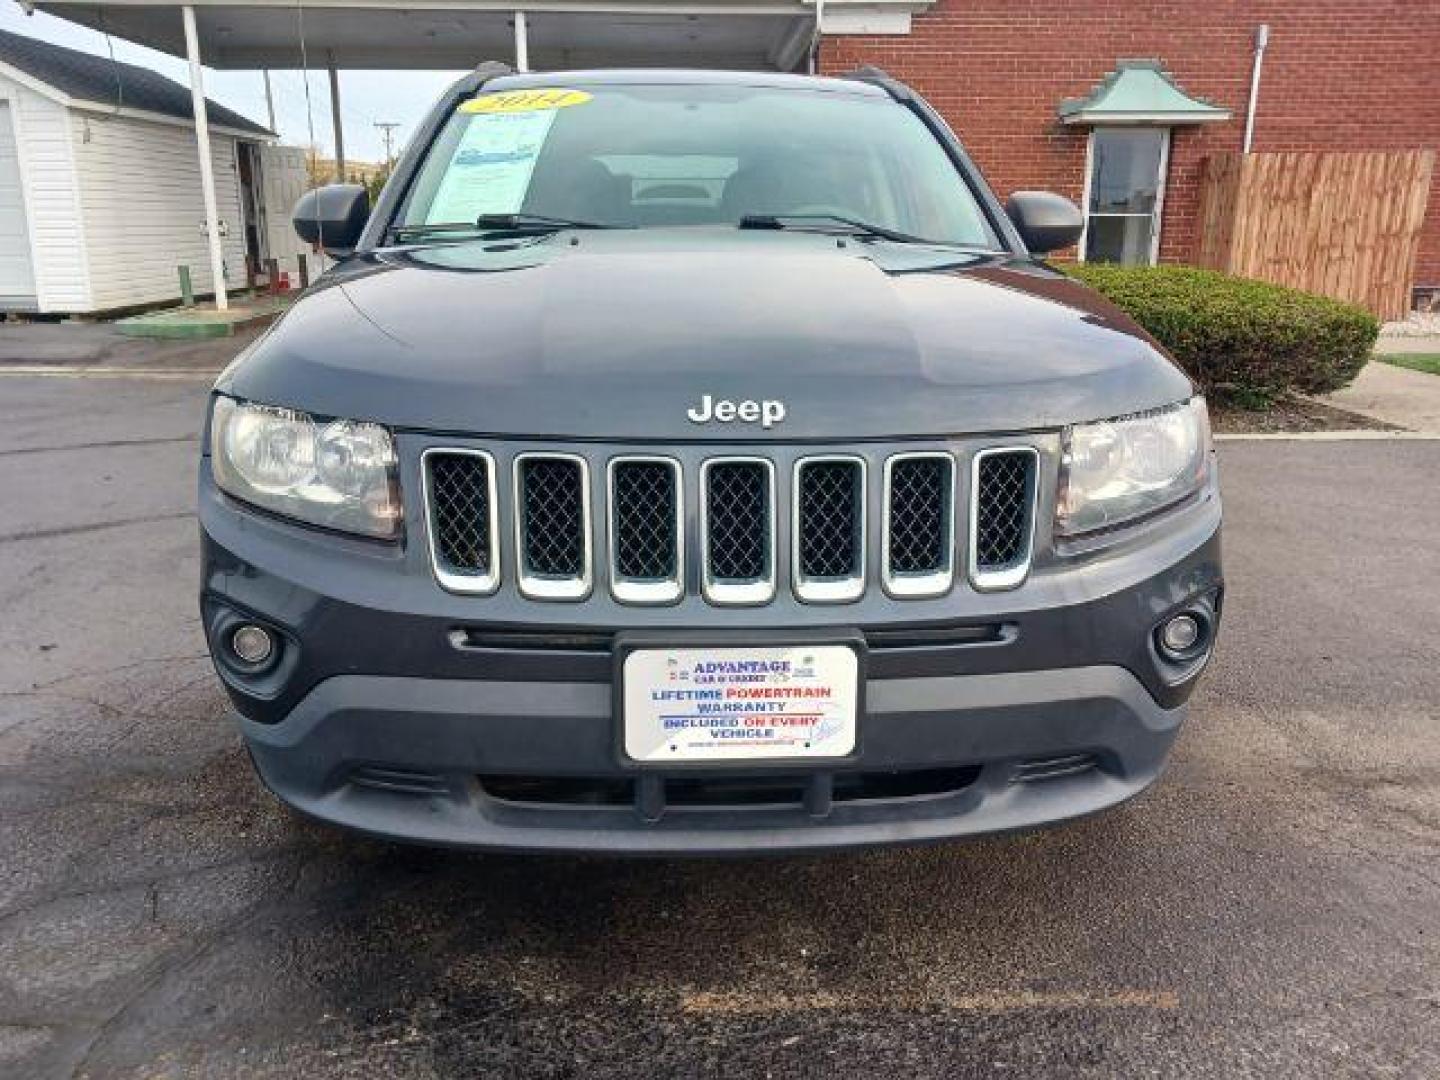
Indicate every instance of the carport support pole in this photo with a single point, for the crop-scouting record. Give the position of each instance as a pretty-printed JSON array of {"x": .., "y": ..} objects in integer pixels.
[
  {"x": 335, "y": 122},
  {"x": 269, "y": 102},
  {"x": 522, "y": 43},
  {"x": 207, "y": 167}
]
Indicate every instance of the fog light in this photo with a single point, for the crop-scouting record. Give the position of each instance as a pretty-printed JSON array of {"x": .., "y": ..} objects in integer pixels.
[
  {"x": 252, "y": 643},
  {"x": 1180, "y": 634},
  {"x": 1183, "y": 637}
]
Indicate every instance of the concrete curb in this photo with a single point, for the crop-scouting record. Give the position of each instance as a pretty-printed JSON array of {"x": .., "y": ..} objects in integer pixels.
[
  {"x": 196, "y": 324},
  {"x": 1358, "y": 435}
]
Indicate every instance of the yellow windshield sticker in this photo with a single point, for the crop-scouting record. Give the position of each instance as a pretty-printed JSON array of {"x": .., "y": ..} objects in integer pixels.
[{"x": 519, "y": 101}]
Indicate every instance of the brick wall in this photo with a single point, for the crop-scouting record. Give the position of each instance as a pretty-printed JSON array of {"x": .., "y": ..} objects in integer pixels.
[{"x": 1339, "y": 74}]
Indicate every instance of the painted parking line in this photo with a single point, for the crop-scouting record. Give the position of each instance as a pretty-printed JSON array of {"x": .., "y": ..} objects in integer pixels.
[
  {"x": 67, "y": 371},
  {"x": 1360, "y": 435}
]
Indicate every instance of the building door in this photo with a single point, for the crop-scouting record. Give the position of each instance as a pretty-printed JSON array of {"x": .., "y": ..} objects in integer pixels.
[
  {"x": 17, "y": 276},
  {"x": 252, "y": 211},
  {"x": 1124, "y": 194},
  {"x": 283, "y": 179}
]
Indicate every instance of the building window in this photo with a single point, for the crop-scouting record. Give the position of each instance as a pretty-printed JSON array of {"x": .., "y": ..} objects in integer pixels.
[{"x": 1124, "y": 194}]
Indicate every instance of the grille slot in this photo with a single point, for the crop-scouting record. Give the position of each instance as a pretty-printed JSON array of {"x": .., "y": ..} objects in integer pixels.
[
  {"x": 737, "y": 523},
  {"x": 552, "y": 524},
  {"x": 646, "y": 525},
  {"x": 829, "y": 529},
  {"x": 460, "y": 497},
  {"x": 919, "y": 524},
  {"x": 1002, "y": 516}
]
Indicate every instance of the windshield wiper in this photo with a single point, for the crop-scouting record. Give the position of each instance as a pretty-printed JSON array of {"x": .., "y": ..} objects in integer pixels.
[
  {"x": 831, "y": 223},
  {"x": 403, "y": 233},
  {"x": 524, "y": 223},
  {"x": 533, "y": 221}
]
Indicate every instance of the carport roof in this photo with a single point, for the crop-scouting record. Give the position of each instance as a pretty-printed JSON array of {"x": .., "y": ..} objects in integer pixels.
[
  {"x": 98, "y": 80},
  {"x": 459, "y": 34}
]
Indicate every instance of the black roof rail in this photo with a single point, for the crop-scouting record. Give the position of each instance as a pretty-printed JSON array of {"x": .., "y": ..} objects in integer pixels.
[
  {"x": 869, "y": 73},
  {"x": 485, "y": 71}
]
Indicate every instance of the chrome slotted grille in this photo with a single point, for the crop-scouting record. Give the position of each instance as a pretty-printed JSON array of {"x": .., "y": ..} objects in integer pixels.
[
  {"x": 829, "y": 529},
  {"x": 646, "y": 525},
  {"x": 460, "y": 495},
  {"x": 646, "y": 533},
  {"x": 919, "y": 524},
  {"x": 552, "y": 497},
  {"x": 1002, "y": 518},
  {"x": 737, "y": 523}
]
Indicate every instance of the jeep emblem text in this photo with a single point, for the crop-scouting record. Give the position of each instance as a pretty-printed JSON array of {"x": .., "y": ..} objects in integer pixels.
[{"x": 765, "y": 413}]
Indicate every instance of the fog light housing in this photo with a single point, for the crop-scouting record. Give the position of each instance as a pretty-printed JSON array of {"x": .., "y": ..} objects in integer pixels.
[
  {"x": 1183, "y": 637},
  {"x": 253, "y": 645},
  {"x": 1180, "y": 634}
]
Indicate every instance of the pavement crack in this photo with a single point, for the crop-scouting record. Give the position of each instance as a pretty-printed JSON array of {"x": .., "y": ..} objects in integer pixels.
[
  {"x": 129, "y": 665},
  {"x": 95, "y": 526},
  {"x": 203, "y": 947},
  {"x": 111, "y": 444}
]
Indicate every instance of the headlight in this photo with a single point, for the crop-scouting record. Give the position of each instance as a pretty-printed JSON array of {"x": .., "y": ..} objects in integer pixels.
[
  {"x": 1121, "y": 470},
  {"x": 339, "y": 474}
]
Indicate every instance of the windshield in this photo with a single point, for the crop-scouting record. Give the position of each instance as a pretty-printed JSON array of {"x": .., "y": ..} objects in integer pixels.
[{"x": 678, "y": 155}]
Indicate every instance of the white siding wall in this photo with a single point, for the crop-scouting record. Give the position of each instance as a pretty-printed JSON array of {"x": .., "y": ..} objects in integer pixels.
[
  {"x": 140, "y": 194},
  {"x": 52, "y": 203}
]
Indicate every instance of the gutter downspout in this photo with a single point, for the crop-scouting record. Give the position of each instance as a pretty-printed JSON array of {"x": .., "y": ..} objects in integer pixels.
[
  {"x": 1262, "y": 39},
  {"x": 815, "y": 37}
]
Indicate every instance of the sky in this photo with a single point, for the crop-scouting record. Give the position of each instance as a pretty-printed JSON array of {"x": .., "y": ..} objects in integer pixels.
[{"x": 366, "y": 97}]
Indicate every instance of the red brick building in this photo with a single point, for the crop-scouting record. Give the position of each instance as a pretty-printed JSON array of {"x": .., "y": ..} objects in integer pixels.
[{"x": 1336, "y": 75}]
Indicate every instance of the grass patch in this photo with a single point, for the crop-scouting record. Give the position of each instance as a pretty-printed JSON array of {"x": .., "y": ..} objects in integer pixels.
[{"x": 1426, "y": 362}]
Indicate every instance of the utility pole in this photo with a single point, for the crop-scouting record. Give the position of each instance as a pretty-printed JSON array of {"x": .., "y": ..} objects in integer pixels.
[{"x": 387, "y": 132}]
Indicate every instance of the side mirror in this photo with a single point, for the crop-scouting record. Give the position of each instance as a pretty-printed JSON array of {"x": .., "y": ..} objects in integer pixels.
[
  {"x": 332, "y": 217},
  {"x": 1046, "y": 222}
]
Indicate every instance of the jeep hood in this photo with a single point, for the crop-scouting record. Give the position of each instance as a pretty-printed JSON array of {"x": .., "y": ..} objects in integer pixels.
[{"x": 615, "y": 335}]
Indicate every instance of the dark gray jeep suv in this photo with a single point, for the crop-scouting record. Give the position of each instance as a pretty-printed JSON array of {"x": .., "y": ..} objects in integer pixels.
[{"x": 698, "y": 462}]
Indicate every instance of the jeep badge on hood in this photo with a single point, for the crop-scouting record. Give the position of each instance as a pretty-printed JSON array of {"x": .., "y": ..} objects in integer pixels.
[{"x": 766, "y": 413}]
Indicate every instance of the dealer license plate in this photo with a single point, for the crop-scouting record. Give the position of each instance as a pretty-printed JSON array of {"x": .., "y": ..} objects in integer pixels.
[{"x": 733, "y": 704}]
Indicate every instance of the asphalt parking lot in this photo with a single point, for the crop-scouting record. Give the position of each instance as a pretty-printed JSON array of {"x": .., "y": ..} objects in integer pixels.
[{"x": 1272, "y": 907}]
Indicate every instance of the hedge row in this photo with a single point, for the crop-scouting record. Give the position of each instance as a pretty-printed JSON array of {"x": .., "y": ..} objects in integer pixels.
[{"x": 1245, "y": 340}]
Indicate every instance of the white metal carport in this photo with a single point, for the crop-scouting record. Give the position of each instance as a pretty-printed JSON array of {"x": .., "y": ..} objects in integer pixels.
[
  {"x": 17, "y": 275},
  {"x": 441, "y": 34}
]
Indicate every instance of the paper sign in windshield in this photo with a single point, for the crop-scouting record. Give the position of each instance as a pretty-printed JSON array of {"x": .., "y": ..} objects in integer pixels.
[
  {"x": 492, "y": 165},
  {"x": 518, "y": 101}
]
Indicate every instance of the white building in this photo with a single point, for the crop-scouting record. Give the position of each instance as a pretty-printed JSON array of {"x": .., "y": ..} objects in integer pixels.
[{"x": 100, "y": 191}]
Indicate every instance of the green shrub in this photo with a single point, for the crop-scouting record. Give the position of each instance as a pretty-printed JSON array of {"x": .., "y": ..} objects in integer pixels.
[{"x": 1241, "y": 340}]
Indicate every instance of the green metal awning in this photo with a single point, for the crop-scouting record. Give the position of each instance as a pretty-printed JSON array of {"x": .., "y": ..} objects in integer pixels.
[{"x": 1139, "y": 92}]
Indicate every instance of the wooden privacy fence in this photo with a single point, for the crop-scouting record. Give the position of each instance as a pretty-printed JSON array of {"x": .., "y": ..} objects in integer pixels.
[{"x": 1345, "y": 225}]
